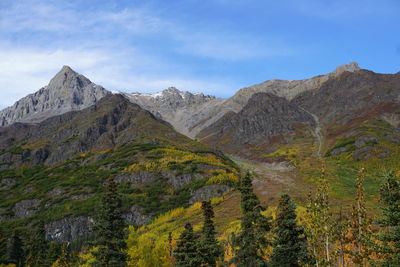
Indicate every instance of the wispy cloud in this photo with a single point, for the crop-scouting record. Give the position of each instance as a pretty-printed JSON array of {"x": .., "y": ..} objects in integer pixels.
[
  {"x": 112, "y": 46},
  {"x": 24, "y": 70}
]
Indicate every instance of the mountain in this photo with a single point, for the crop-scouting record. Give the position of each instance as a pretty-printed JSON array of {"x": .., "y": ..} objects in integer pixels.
[
  {"x": 188, "y": 113},
  {"x": 53, "y": 167},
  {"x": 180, "y": 108},
  {"x": 67, "y": 91},
  {"x": 332, "y": 106},
  {"x": 191, "y": 113},
  {"x": 54, "y": 170},
  {"x": 112, "y": 121},
  {"x": 266, "y": 118}
]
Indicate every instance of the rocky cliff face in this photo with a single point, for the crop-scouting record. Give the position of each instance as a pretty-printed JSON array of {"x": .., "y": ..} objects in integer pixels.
[
  {"x": 67, "y": 91},
  {"x": 264, "y": 117}
]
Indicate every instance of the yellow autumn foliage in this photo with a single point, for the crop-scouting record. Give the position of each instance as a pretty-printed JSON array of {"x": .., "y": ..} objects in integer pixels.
[
  {"x": 148, "y": 250},
  {"x": 87, "y": 258},
  {"x": 170, "y": 155},
  {"x": 222, "y": 177}
]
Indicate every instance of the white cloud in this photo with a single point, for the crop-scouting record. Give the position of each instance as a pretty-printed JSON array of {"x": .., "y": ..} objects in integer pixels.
[
  {"x": 39, "y": 37},
  {"x": 24, "y": 71}
]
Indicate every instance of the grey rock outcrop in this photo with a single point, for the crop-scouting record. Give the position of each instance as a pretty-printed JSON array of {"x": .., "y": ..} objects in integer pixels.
[
  {"x": 67, "y": 91},
  {"x": 208, "y": 192},
  {"x": 392, "y": 118},
  {"x": 136, "y": 178},
  {"x": 56, "y": 192},
  {"x": 69, "y": 228},
  {"x": 26, "y": 208},
  {"x": 363, "y": 153},
  {"x": 6, "y": 183},
  {"x": 179, "y": 180},
  {"x": 338, "y": 151},
  {"x": 364, "y": 140},
  {"x": 393, "y": 138},
  {"x": 136, "y": 216},
  {"x": 80, "y": 196}
]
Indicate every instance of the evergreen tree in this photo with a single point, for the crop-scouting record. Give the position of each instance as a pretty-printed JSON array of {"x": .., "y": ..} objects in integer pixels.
[
  {"x": 187, "y": 250},
  {"x": 15, "y": 252},
  {"x": 38, "y": 248},
  {"x": 54, "y": 252},
  {"x": 109, "y": 229},
  {"x": 209, "y": 248},
  {"x": 390, "y": 196},
  {"x": 3, "y": 248},
  {"x": 290, "y": 244},
  {"x": 65, "y": 259},
  {"x": 360, "y": 225},
  {"x": 250, "y": 243}
]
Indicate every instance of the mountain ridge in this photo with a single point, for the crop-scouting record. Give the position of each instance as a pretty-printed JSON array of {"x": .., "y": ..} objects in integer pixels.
[{"x": 189, "y": 113}]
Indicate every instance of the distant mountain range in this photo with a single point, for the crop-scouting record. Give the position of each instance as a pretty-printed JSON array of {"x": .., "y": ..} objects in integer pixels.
[
  {"x": 255, "y": 115},
  {"x": 173, "y": 148}
]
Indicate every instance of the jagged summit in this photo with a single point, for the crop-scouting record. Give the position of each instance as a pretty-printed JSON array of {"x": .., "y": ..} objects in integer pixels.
[
  {"x": 171, "y": 91},
  {"x": 66, "y": 69},
  {"x": 182, "y": 109},
  {"x": 351, "y": 67},
  {"x": 66, "y": 91},
  {"x": 68, "y": 80}
]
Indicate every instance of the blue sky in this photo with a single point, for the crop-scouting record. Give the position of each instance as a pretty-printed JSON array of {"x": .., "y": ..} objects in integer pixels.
[{"x": 211, "y": 46}]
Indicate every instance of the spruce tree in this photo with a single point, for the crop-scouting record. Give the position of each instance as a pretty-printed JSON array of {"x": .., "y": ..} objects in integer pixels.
[
  {"x": 109, "y": 229},
  {"x": 390, "y": 196},
  {"x": 187, "y": 250},
  {"x": 54, "y": 252},
  {"x": 209, "y": 248},
  {"x": 15, "y": 252},
  {"x": 3, "y": 248},
  {"x": 38, "y": 248},
  {"x": 65, "y": 259},
  {"x": 290, "y": 244},
  {"x": 250, "y": 243}
]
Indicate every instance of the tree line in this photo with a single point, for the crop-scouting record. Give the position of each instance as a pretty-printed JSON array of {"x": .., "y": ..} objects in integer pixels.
[{"x": 325, "y": 237}]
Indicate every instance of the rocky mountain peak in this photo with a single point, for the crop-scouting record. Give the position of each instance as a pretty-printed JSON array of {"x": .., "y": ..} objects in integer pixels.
[
  {"x": 351, "y": 67},
  {"x": 68, "y": 80},
  {"x": 67, "y": 91},
  {"x": 172, "y": 90}
]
